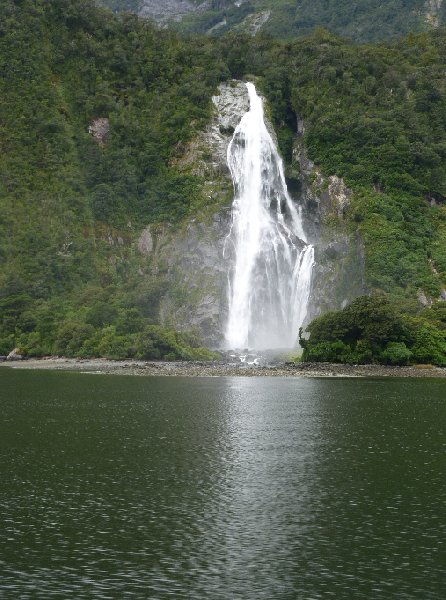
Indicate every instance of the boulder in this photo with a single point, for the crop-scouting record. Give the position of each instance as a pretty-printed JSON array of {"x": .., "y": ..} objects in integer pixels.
[{"x": 15, "y": 354}]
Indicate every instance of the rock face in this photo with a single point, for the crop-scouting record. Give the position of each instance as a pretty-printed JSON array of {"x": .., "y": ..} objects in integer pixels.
[
  {"x": 99, "y": 129},
  {"x": 206, "y": 154},
  {"x": 145, "y": 242},
  {"x": 195, "y": 271},
  {"x": 191, "y": 260},
  {"x": 163, "y": 10},
  {"x": 433, "y": 12},
  {"x": 338, "y": 275},
  {"x": 253, "y": 23}
]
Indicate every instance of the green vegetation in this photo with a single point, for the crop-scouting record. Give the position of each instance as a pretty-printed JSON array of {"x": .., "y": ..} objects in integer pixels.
[
  {"x": 374, "y": 330},
  {"x": 122, "y": 5},
  {"x": 99, "y": 324},
  {"x": 71, "y": 209},
  {"x": 376, "y": 117},
  {"x": 359, "y": 20}
]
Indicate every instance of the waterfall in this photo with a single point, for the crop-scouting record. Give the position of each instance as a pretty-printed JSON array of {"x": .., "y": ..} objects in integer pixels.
[{"x": 269, "y": 256}]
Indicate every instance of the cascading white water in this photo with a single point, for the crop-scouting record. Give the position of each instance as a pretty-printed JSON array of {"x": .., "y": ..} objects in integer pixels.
[{"x": 270, "y": 273}]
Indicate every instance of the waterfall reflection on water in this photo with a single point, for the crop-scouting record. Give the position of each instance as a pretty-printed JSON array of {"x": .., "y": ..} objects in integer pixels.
[{"x": 221, "y": 488}]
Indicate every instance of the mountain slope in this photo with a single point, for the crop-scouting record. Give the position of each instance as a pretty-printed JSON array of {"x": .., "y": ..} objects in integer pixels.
[
  {"x": 360, "y": 20},
  {"x": 71, "y": 205},
  {"x": 97, "y": 112}
]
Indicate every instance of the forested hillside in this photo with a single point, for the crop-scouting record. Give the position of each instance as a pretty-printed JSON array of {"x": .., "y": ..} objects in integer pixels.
[
  {"x": 359, "y": 20},
  {"x": 72, "y": 206}
]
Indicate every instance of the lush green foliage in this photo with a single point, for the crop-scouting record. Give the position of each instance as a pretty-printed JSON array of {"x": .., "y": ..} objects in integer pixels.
[
  {"x": 122, "y": 5},
  {"x": 100, "y": 322},
  {"x": 71, "y": 209},
  {"x": 374, "y": 330},
  {"x": 375, "y": 116},
  {"x": 360, "y": 20}
]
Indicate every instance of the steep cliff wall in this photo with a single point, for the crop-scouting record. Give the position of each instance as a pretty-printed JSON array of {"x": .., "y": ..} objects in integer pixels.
[
  {"x": 191, "y": 259},
  {"x": 338, "y": 274},
  {"x": 361, "y": 20},
  {"x": 434, "y": 11}
]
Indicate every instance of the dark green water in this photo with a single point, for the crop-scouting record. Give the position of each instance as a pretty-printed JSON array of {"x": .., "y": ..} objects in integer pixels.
[{"x": 266, "y": 488}]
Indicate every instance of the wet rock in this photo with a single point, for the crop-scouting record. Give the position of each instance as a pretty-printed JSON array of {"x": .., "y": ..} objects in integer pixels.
[
  {"x": 231, "y": 103},
  {"x": 197, "y": 278},
  {"x": 334, "y": 250}
]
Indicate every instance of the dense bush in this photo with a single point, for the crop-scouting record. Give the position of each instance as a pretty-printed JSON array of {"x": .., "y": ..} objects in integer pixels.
[
  {"x": 70, "y": 207},
  {"x": 118, "y": 333},
  {"x": 374, "y": 330},
  {"x": 361, "y": 20}
]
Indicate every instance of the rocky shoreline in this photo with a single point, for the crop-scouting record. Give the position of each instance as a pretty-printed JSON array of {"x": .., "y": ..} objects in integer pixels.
[{"x": 223, "y": 368}]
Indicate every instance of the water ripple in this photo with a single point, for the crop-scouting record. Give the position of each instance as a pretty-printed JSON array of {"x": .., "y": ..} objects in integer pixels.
[{"x": 221, "y": 489}]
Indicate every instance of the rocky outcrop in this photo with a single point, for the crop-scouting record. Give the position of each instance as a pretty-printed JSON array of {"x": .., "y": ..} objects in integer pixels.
[
  {"x": 433, "y": 11},
  {"x": 15, "y": 354},
  {"x": 205, "y": 156},
  {"x": 165, "y": 10},
  {"x": 145, "y": 242},
  {"x": 423, "y": 299},
  {"x": 192, "y": 261},
  {"x": 338, "y": 274},
  {"x": 252, "y": 24},
  {"x": 168, "y": 11},
  {"x": 99, "y": 129}
]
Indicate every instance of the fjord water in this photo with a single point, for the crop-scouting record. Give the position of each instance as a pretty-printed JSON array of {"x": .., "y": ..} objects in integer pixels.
[
  {"x": 221, "y": 488},
  {"x": 269, "y": 258}
]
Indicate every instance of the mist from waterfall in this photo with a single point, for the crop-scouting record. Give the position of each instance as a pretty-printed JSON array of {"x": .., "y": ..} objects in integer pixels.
[{"x": 270, "y": 261}]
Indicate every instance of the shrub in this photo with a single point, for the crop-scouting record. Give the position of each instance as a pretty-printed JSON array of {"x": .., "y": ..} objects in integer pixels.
[
  {"x": 430, "y": 345},
  {"x": 71, "y": 336},
  {"x": 375, "y": 329},
  {"x": 336, "y": 352},
  {"x": 396, "y": 353}
]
